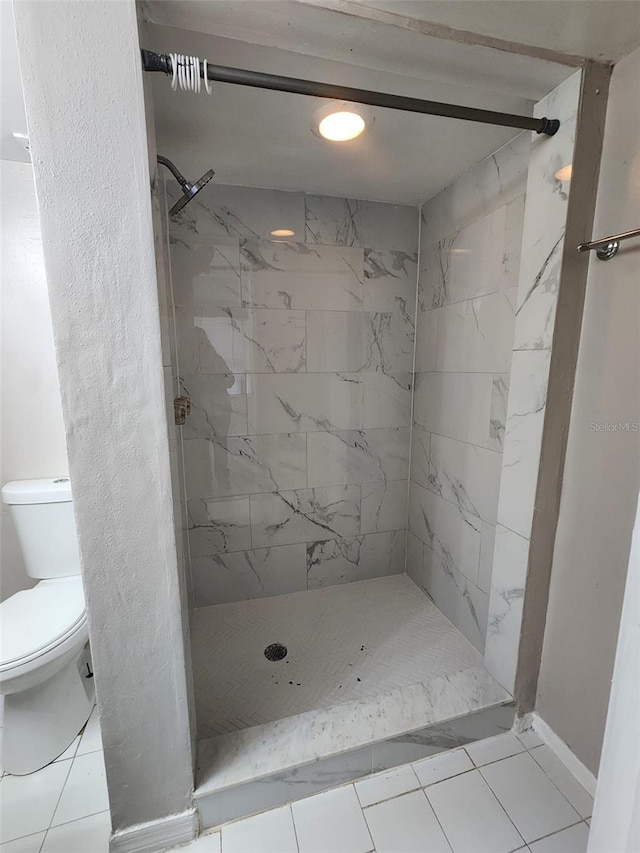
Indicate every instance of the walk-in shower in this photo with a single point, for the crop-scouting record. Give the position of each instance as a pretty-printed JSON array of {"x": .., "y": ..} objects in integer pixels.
[{"x": 348, "y": 358}]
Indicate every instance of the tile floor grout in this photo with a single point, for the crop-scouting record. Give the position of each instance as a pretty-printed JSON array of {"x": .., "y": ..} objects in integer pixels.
[
  {"x": 495, "y": 796},
  {"x": 70, "y": 759},
  {"x": 358, "y": 817},
  {"x": 476, "y": 768},
  {"x": 53, "y": 814}
]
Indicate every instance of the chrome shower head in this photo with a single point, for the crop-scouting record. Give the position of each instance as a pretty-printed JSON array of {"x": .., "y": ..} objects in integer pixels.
[{"x": 189, "y": 189}]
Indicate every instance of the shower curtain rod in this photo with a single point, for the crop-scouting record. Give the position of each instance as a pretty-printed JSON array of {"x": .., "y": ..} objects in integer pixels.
[{"x": 222, "y": 74}]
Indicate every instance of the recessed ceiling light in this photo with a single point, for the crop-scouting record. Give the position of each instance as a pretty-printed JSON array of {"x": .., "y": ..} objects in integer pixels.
[
  {"x": 564, "y": 174},
  {"x": 341, "y": 126},
  {"x": 283, "y": 232}
]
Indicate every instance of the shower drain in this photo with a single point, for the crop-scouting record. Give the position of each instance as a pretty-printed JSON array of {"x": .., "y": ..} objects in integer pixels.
[{"x": 276, "y": 651}]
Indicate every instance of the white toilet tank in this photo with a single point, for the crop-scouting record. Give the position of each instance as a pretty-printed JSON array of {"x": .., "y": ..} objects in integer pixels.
[{"x": 42, "y": 512}]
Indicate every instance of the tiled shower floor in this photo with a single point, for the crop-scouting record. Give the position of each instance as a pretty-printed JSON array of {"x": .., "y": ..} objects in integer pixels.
[{"x": 344, "y": 643}]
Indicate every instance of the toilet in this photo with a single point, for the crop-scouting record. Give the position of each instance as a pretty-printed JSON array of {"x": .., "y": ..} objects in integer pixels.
[{"x": 46, "y": 678}]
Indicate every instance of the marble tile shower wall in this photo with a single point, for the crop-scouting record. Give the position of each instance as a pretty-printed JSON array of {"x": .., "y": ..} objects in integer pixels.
[
  {"x": 297, "y": 354},
  {"x": 469, "y": 263}
]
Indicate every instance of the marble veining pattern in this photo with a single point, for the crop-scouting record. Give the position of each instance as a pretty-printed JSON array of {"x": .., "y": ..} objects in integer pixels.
[
  {"x": 218, "y": 405},
  {"x": 368, "y": 224},
  {"x": 467, "y": 303},
  {"x": 242, "y": 465},
  {"x": 282, "y": 745},
  {"x": 352, "y": 341},
  {"x": 390, "y": 281},
  {"x": 297, "y": 355},
  {"x": 338, "y": 561},
  {"x": 298, "y": 275},
  {"x": 383, "y": 506},
  {"x": 218, "y": 806},
  {"x": 538, "y": 286},
  {"x": 450, "y": 531},
  {"x": 259, "y": 573},
  {"x": 324, "y": 513},
  {"x": 218, "y": 525},
  {"x": 357, "y": 456}
]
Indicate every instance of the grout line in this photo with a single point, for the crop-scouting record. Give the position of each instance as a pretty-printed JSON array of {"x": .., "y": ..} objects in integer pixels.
[
  {"x": 64, "y": 785},
  {"x": 451, "y": 438},
  {"x": 83, "y": 817},
  {"x": 424, "y": 791},
  {"x": 555, "y": 832},
  {"x": 553, "y": 782},
  {"x": 581, "y": 820},
  {"x": 435, "y": 814},
  {"x": 423, "y": 788},
  {"x": 295, "y": 829},
  {"x": 362, "y": 814},
  {"x": 455, "y": 505},
  {"x": 524, "y": 842},
  {"x": 394, "y": 797}
]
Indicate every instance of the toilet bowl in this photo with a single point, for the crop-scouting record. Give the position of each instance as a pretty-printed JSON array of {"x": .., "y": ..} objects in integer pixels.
[{"x": 46, "y": 678}]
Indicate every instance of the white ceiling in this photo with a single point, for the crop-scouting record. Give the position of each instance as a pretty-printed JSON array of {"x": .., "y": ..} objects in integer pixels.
[
  {"x": 311, "y": 29},
  {"x": 260, "y": 138},
  {"x": 606, "y": 31},
  {"x": 253, "y": 137}
]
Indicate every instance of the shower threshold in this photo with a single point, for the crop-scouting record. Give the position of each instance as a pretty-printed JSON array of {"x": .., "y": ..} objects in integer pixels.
[{"x": 372, "y": 672}]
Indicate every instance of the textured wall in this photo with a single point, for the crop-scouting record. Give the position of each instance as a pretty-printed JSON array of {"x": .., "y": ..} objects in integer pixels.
[
  {"x": 469, "y": 260},
  {"x": 297, "y": 356},
  {"x": 602, "y": 471},
  {"x": 33, "y": 443},
  {"x": 101, "y": 271}
]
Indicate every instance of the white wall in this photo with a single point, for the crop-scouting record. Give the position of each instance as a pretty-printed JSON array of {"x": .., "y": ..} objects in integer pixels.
[
  {"x": 33, "y": 443},
  {"x": 602, "y": 471},
  {"x": 90, "y": 158},
  {"x": 616, "y": 813}
]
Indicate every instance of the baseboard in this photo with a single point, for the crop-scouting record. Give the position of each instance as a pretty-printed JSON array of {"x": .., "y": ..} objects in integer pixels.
[
  {"x": 157, "y": 835},
  {"x": 564, "y": 753}
]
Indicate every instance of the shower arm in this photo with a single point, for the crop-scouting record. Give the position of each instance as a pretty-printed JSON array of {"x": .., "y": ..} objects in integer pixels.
[
  {"x": 222, "y": 74},
  {"x": 180, "y": 178}
]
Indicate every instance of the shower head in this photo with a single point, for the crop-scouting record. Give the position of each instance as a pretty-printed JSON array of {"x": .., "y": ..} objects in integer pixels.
[{"x": 189, "y": 189}]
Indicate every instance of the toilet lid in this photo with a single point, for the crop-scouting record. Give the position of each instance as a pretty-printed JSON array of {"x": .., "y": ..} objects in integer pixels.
[{"x": 34, "y": 619}]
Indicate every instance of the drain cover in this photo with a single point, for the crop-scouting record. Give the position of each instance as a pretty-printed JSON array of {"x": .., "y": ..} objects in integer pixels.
[{"x": 276, "y": 651}]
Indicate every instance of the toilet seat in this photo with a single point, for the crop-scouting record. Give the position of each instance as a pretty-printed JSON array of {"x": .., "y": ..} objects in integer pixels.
[{"x": 36, "y": 621}]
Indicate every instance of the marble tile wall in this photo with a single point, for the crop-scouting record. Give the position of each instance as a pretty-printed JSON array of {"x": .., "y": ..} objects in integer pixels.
[
  {"x": 297, "y": 354},
  {"x": 539, "y": 279},
  {"x": 467, "y": 295}
]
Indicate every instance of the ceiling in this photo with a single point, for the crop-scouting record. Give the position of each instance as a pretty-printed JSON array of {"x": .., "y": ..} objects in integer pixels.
[
  {"x": 254, "y": 137},
  {"x": 605, "y": 31},
  {"x": 422, "y": 49}
]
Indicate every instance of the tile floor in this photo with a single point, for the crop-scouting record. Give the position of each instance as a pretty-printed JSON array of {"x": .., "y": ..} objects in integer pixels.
[
  {"x": 62, "y": 808},
  {"x": 503, "y": 794},
  {"x": 345, "y": 643}
]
